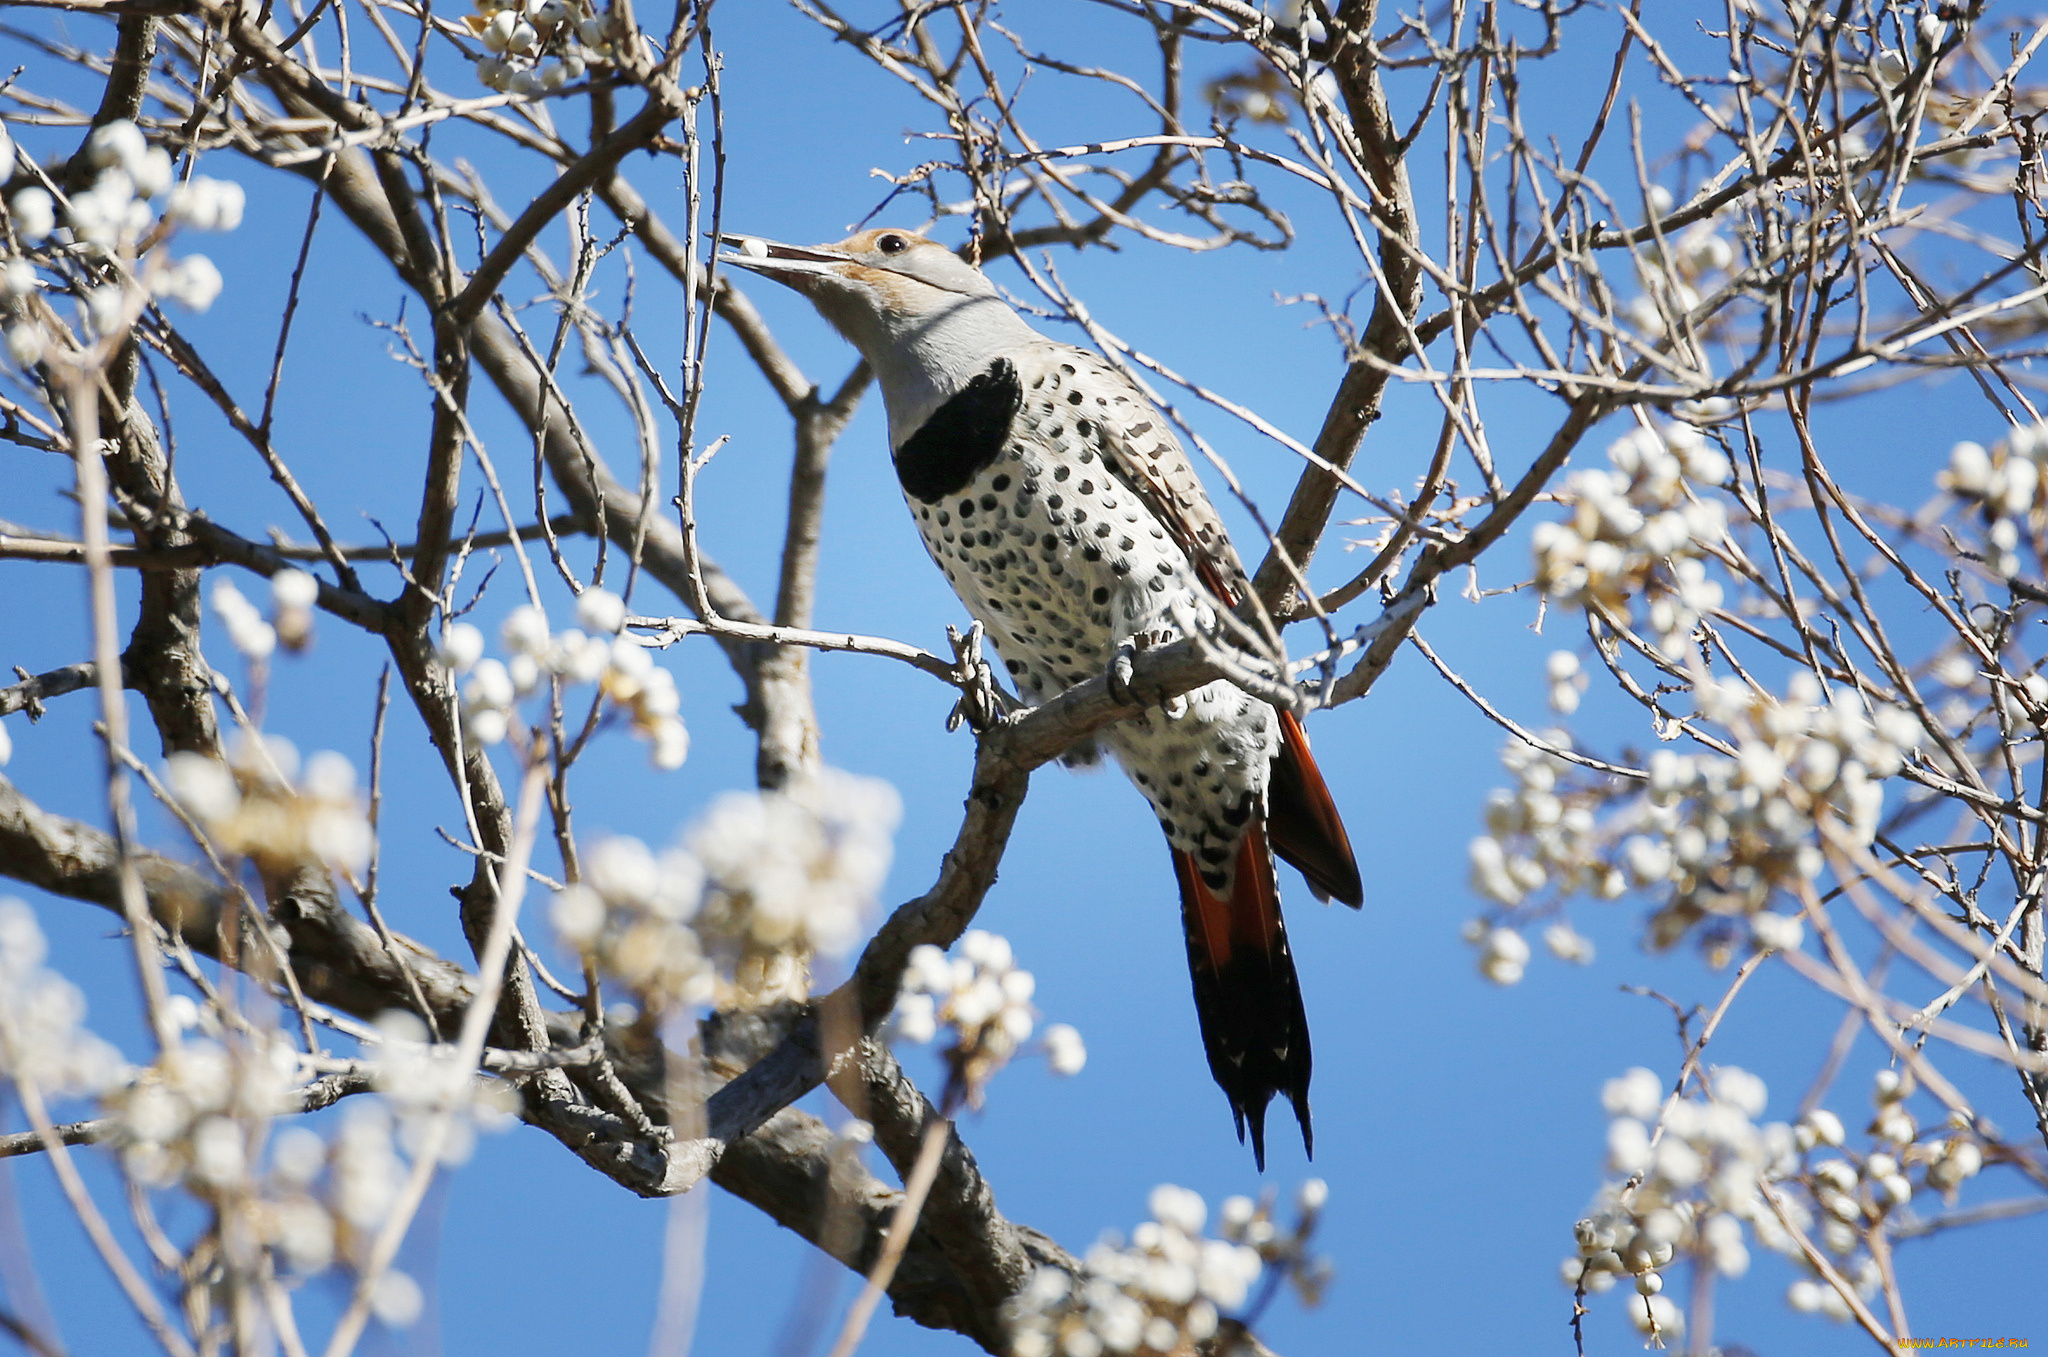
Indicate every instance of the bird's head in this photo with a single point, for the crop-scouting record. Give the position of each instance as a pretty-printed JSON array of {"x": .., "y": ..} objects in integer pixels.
[
  {"x": 924, "y": 318},
  {"x": 890, "y": 272}
]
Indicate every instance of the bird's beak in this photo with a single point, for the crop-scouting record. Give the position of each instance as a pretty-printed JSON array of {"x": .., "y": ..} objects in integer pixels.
[{"x": 792, "y": 265}]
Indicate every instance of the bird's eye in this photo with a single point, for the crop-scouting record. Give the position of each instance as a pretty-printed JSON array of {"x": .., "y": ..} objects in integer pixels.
[{"x": 892, "y": 244}]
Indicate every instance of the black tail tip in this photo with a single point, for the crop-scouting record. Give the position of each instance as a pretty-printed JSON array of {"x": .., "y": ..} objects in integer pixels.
[{"x": 1250, "y": 1112}]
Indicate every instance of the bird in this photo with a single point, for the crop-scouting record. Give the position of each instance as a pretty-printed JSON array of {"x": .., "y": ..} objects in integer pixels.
[{"x": 1070, "y": 522}]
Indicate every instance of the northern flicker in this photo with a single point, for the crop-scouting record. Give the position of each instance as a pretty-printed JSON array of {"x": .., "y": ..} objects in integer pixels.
[{"x": 1060, "y": 505}]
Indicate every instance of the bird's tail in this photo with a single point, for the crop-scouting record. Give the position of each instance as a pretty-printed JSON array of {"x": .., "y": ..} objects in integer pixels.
[
  {"x": 1307, "y": 830},
  {"x": 1246, "y": 993}
]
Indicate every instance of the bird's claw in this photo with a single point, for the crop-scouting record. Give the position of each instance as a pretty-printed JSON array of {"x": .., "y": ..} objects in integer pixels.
[
  {"x": 1121, "y": 674},
  {"x": 982, "y": 705}
]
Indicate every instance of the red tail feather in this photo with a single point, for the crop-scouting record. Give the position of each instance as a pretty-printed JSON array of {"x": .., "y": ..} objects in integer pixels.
[
  {"x": 1246, "y": 992},
  {"x": 1307, "y": 831}
]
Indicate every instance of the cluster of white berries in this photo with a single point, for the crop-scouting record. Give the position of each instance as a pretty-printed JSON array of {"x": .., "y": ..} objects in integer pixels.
[
  {"x": 790, "y": 873},
  {"x": 324, "y": 1201},
  {"x": 43, "y": 1037},
  {"x": 538, "y": 45},
  {"x": 421, "y": 1079},
  {"x": 187, "y": 1117},
  {"x": 2005, "y": 483},
  {"x": 1252, "y": 1224},
  {"x": 106, "y": 222},
  {"x": 632, "y": 912},
  {"x": 1636, "y": 535},
  {"x": 982, "y": 999},
  {"x": 259, "y": 805},
  {"x": 1851, "y": 1195},
  {"x": 1162, "y": 1292},
  {"x": 1725, "y": 833},
  {"x": 1540, "y": 833},
  {"x": 596, "y": 653},
  {"x": 198, "y": 1117},
  {"x": 292, "y": 595},
  {"x": 1716, "y": 836},
  {"x": 762, "y": 882},
  {"x": 1678, "y": 272},
  {"x": 1690, "y": 1180}
]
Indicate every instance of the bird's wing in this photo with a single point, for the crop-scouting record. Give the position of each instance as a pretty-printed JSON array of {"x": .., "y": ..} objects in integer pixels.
[
  {"x": 1140, "y": 449},
  {"x": 1138, "y": 445}
]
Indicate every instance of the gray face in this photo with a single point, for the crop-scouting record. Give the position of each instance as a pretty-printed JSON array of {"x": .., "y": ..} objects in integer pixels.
[
  {"x": 894, "y": 269},
  {"x": 872, "y": 286},
  {"x": 926, "y": 321}
]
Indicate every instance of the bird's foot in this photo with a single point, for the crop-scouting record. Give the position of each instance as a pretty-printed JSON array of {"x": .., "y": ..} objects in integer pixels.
[
  {"x": 982, "y": 705},
  {"x": 1121, "y": 673}
]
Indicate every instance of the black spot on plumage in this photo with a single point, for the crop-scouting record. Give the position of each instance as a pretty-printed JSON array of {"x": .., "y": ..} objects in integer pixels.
[
  {"x": 1060, "y": 473},
  {"x": 1165, "y": 567},
  {"x": 988, "y": 502},
  {"x": 1101, "y": 594},
  {"x": 1056, "y": 501},
  {"x": 1120, "y": 566},
  {"x": 1014, "y": 666},
  {"x": 1087, "y": 487},
  {"x": 1084, "y": 428},
  {"x": 1092, "y": 553},
  {"x": 966, "y": 508},
  {"x": 963, "y": 436},
  {"x": 1000, "y": 483},
  {"x": 1157, "y": 586},
  {"x": 1103, "y": 530},
  {"x": 1074, "y": 398}
]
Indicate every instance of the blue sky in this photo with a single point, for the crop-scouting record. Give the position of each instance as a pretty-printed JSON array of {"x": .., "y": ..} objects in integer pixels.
[{"x": 1458, "y": 1125}]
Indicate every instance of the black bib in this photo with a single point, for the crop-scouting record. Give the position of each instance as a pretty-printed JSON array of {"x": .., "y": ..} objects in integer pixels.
[{"x": 963, "y": 436}]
